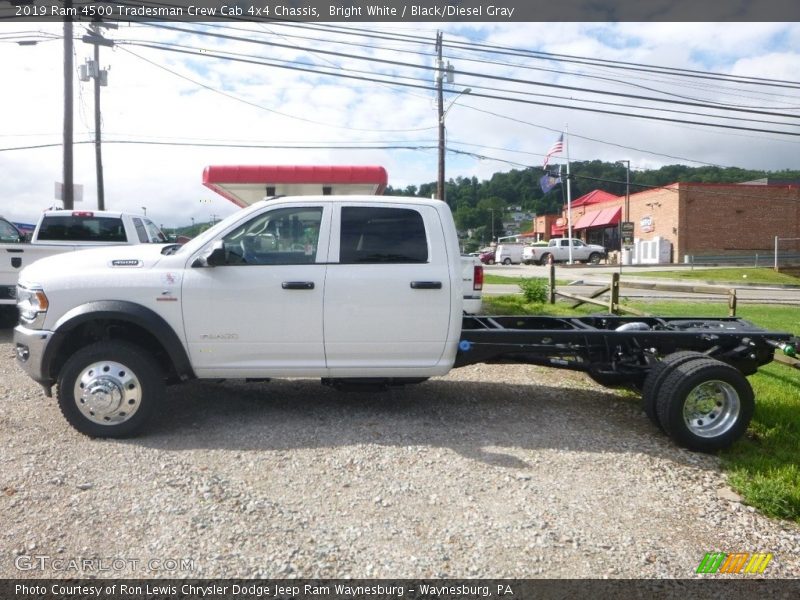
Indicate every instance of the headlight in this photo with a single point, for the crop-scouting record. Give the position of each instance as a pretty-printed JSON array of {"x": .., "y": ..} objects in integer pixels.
[{"x": 32, "y": 304}]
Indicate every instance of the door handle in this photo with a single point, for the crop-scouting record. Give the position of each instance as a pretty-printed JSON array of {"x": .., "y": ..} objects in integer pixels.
[
  {"x": 298, "y": 285},
  {"x": 426, "y": 285}
]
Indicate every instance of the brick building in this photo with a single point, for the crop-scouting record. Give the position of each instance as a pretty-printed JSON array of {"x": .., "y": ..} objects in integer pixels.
[{"x": 697, "y": 219}]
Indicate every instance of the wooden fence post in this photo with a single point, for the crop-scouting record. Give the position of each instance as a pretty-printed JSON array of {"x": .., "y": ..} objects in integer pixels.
[
  {"x": 732, "y": 302},
  {"x": 552, "y": 283},
  {"x": 613, "y": 301}
]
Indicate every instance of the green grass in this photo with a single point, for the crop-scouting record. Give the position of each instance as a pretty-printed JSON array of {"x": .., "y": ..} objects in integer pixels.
[
  {"x": 724, "y": 275},
  {"x": 500, "y": 279},
  {"x": 763, "y": 466},
  {"x": 491, "y": 278}
]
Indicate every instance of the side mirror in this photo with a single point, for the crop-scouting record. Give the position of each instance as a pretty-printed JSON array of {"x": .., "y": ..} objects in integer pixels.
[{"x": 213, "y": 258}]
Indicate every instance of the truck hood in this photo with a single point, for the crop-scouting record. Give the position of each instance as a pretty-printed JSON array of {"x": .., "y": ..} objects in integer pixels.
[{"x": 139, "y": 256}]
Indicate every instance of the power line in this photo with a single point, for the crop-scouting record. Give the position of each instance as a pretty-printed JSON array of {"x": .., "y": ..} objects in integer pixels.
[
  {"x": 256, "y": 105},
  {"x": 319, "y": 70},
  {"x": 475, "y": 74},
  {"x": 479, "y": 95}
]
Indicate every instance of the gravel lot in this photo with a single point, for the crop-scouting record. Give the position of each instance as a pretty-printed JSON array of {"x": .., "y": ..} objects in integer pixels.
[{"x": 493, "y": 471}]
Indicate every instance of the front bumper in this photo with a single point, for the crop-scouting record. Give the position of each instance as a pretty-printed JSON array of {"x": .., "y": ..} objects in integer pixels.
[{"x": 30, "y": 346}]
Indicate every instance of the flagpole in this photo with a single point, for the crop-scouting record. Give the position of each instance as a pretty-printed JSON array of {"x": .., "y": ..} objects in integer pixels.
[{"x": 569, "y": 195}]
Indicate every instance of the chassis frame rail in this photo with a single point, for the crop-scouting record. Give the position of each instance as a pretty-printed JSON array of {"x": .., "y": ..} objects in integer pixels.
[{"x": 617, "y": 349}]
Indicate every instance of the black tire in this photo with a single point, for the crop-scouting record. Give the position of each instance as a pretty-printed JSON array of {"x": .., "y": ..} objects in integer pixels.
[
  {"x": 491, "y": 261},
  {"x": 658, "y": 373},
  {"x": 609, "y": 380},
  {"x": 506, "y": 261},
  {"x": 127, "y": 385},
  {"x": 594, "y": 258},
  {"x": 705, "y": 404},
  {"x": 545, "y": 259}
]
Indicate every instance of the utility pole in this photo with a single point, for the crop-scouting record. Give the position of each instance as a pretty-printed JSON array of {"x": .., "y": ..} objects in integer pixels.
[
  {"x": 440, "y": 106},
  {"x": 92, "y": 70},
  {"x": 67, "y": 195}
]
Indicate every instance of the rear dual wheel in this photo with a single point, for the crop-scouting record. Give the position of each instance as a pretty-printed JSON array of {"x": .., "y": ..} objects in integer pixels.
[
  {"x": 657, "y": 375},
  {"x": 704, "y": 404}
]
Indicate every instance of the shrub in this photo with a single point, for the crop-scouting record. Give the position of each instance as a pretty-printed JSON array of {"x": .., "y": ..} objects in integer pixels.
[{"x": 534, "y": 290}]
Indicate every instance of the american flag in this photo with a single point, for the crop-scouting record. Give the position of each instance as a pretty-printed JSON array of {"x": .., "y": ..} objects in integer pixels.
[{"x": 556, "y": 148}]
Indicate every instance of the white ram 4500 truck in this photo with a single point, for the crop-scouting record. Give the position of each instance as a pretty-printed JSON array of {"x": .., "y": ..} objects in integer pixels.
[{"x": 355, "y": 290}]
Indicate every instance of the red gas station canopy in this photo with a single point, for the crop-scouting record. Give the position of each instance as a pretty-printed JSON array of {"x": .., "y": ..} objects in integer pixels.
[{"x": 245, "y": 184}]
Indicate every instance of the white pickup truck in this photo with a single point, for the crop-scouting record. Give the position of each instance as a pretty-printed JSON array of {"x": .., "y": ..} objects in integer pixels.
[
  {"x": 558, "y": 250},
  {"x": 61, "y": 231},
  {"x": 355, "y": 290}
]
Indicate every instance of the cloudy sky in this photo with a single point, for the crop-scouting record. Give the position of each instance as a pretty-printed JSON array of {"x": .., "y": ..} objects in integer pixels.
[{"x": 174, "y": 106}]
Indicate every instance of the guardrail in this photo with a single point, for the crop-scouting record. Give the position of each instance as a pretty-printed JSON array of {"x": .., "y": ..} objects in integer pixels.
[{"x": 749, "y": 260}]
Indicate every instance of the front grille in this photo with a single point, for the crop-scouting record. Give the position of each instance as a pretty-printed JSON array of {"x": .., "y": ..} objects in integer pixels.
[{"x": 8, "y": 292}]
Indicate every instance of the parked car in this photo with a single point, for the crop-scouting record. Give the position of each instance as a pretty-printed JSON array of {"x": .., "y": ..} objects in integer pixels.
[{"x": 487, "y": 257}]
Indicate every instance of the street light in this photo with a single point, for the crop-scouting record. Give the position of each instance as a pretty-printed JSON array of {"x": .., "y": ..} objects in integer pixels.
[
  {"x": 144, "y": 211},
  {"x": 442, "y": 145}
]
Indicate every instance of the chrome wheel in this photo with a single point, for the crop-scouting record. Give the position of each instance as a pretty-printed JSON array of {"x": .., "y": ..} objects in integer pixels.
[
  {"x": 107, "y": 393},
  {"x": 711, "y": 408},
  {"x": 703, "y": 403}
]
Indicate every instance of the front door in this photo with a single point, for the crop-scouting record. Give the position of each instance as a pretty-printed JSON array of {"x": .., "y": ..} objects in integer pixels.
[{"x": 262, "y": 309}]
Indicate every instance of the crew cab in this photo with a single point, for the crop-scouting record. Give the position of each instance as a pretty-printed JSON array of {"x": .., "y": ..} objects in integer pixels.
[
  {"x": 354, "y": 290},
  {"x": 59, "y": 231},
  {"x": 558, "y": 250}
]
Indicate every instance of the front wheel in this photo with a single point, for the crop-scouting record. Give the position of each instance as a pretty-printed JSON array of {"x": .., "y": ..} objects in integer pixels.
[
  {"x": 705, "y": 404},
  {"x": 109, "y": 389},
  {"x": 506, "y": 261},
  {"x": 594, "y": 258}
]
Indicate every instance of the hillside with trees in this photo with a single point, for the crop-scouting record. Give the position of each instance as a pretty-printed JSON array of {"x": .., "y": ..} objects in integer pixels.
[{"x": 475, "y": 203}]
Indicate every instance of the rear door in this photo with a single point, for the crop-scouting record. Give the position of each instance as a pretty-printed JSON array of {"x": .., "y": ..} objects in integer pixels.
[{"x": 387, "y": 289}]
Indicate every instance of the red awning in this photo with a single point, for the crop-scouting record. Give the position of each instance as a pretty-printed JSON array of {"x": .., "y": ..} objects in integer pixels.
[
  {"x": 587, "y": 219},
  {"x": 599, "y": 218},
  {"x": 608, "y": 217},
  {"x": 245, "y": 184},
  {"x": 555, "y": 230}
]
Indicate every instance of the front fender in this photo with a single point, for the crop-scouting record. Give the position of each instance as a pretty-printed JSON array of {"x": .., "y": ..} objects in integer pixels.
[{"x": 123, "y": 311}]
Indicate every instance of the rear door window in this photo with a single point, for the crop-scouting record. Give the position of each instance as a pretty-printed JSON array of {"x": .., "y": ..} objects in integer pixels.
[{"x": 371, "y": 235}]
